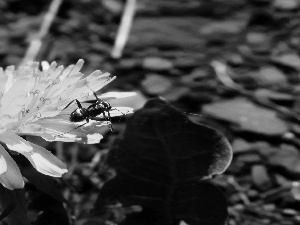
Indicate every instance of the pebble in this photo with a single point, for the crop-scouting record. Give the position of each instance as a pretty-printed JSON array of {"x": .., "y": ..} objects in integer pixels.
[
  {"x": 156, "y": 84},
  {"x": 240, "y": 145},
  {"x": 295, "y": 190},
  {"x": 222, "y": 27},
  {"x": 253, "y": 194},
  {"x": 195, "y": 77},
  {"x": 289, "y": 59},
  {"x": 129, "y": 64},
  {"x": 269, "y": 207},
  {"x": 239, "y": 207},
  {"x": 234, "y": 59},
  {"x": 278, "y": 97},
  {"x": 286, "y": 156},
  {"x": 286, "y": 4},
  {"x": 186, "y": 63},
  {"x": 250, "y": 158},
  {"x": 289, "y": 212},
  {"x": 297, "y": 218},
  {"x": 256, "y": 38},
  {"x": 271, "y": 75},
  {"x": 175, "y": 93},
  {"x": 260, "y": 177},
  {"x": 157, "y": 64}
]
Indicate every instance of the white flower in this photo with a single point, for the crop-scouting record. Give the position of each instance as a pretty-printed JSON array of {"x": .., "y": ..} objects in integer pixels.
[{"x": 32, "y": 102}]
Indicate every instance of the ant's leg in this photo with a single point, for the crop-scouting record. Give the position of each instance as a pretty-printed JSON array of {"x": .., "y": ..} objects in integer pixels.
[
  {"x": 96, "y": 96},
  {"x": 93, "y": 93},
  {"x": 81, "y": 109},
  {"x": 71, "y": 130},
  {"x": 101, "y": 119},
  {"x": 108, "y": 118},
  {"x": 123, "y": 114}
]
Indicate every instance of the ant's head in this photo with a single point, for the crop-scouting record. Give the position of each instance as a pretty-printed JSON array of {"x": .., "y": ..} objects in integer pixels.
[{"x": 105, "y": 104}]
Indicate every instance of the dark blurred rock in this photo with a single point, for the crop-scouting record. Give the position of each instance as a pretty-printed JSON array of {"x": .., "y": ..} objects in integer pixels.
[
  {"x": 175, "y": 93},
  {"x": 263, "y": 19},
  {"x": 167, "y": 33},
  {"x": 186, "y": 63},
  {"x": 195, "y": 77},
  {"x": 223, "y": 27},
  {"x": 250, "y": 158},
  {"x": 168, "y": 8},
  {"x": 261, "y": 2},
  {"x": 199, "y": 97}
]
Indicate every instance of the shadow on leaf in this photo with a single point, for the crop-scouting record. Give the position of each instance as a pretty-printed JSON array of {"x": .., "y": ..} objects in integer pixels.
[{"x": 163, "y": 163}]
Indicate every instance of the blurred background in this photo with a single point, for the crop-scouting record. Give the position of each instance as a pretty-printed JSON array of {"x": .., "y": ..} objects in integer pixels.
[{"x": 233, "y": 64}]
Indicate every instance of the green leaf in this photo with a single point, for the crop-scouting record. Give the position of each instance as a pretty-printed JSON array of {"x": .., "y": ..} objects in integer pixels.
[
  {"x": 162, "y": 163},
  {"x": 42, "y": 182},
  {"x": 13, "y": 206},
  {"x": 51, "y": 211}
]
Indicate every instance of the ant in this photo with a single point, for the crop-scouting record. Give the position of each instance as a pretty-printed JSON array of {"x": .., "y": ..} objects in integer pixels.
[{"x": 99, "y": 107}]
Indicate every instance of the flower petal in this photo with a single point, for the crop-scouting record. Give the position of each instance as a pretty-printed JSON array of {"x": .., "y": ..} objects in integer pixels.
[
  {"x": 45, "y": 162},
  {"x": 15, "y": 143},
  {"x": 64, "y": 130},
  {"x": 116, "y": 94},
  {"x": 120, "y": 111},
  {"x": 41, "y": 159},
  {"x": 3, "y": 165},
  {"x": 33, "y": 129},
  {"x": 84, "y": 139},
  {"x": 3, "y": 80},
  {"x": 12, "y": 178},
  {"x": 60, "y": 124}
]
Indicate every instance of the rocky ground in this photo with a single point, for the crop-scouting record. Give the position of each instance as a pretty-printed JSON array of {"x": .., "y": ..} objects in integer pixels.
[{"x": 233, "y": 63}]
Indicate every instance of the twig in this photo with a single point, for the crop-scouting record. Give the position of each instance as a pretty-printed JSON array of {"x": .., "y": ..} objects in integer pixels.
[
  {"x": 124, "y": 29},
  {"x": 221, "y": 72},
  {"x": 249, "y": 206},
  {"x": 241, "y": 191},
  {"x": 36, "y": 42}
]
